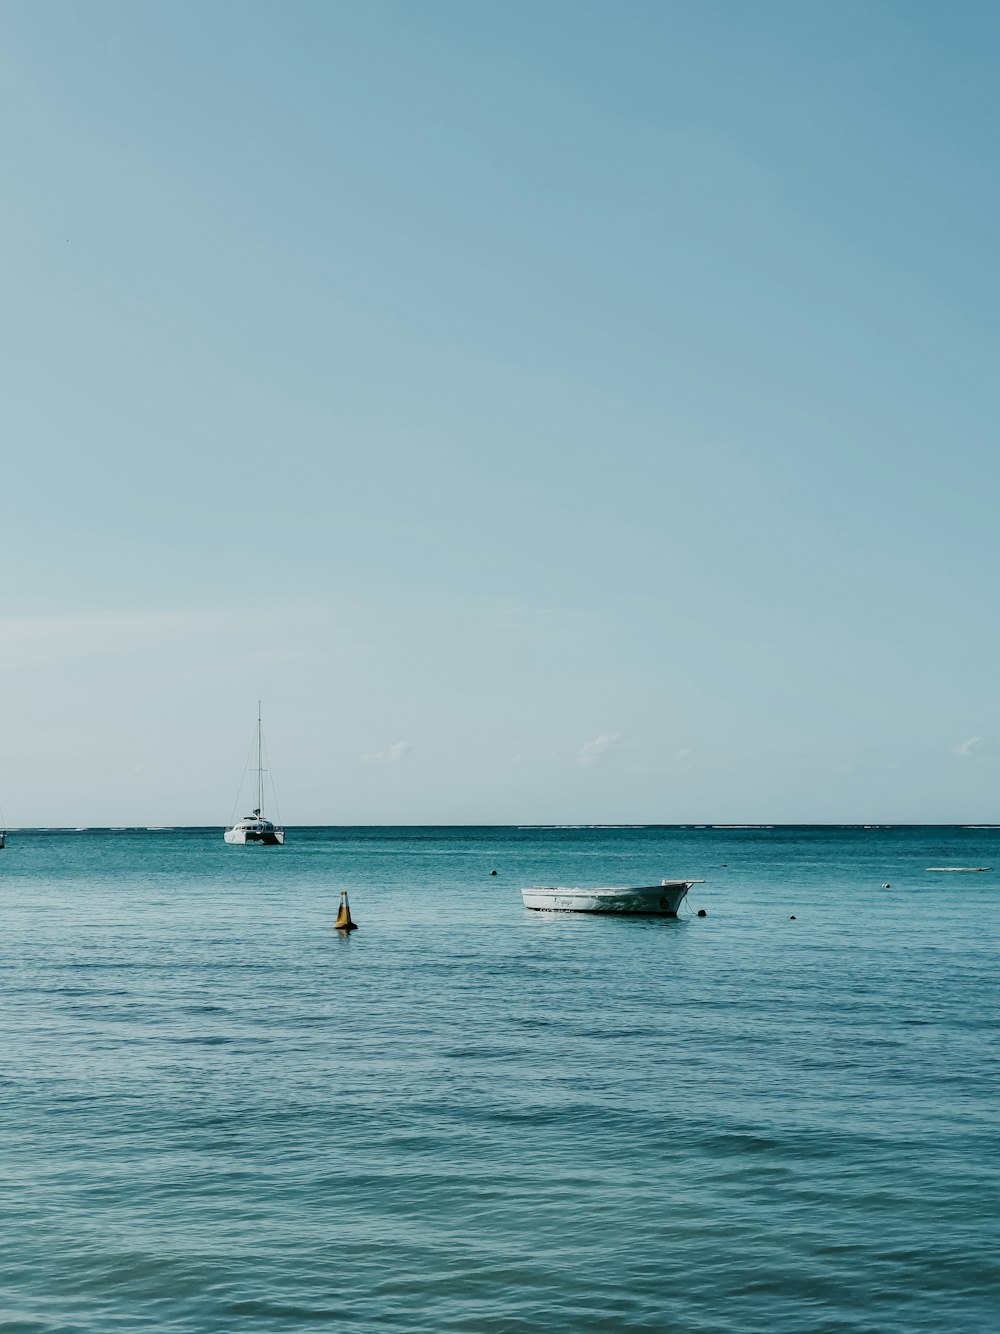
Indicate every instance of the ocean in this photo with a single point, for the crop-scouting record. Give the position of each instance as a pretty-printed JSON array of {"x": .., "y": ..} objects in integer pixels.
[{"x": 218, "y": 1114}]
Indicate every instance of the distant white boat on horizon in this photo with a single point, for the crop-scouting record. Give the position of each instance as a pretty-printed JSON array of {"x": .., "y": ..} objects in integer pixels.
[
  {"x": 960, "y": 868},
  {"x": 256, "y": 828},
  {"x": 662, "y": 900}
]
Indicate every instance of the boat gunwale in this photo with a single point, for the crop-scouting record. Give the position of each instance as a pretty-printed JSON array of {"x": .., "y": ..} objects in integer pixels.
[{"x": 579, "y": 892}]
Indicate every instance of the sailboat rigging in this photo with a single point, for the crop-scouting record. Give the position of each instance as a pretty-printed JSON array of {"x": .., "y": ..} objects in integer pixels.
[{"x": 256, "y": 828}]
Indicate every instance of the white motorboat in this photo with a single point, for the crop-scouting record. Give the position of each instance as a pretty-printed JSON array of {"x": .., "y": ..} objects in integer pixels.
[
  {"x": 660, "y": 900},
  {"x": 256, "y": 828}
]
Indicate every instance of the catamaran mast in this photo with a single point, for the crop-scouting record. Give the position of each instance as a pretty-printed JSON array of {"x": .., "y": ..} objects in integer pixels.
[{"x": 260, "y": 770}]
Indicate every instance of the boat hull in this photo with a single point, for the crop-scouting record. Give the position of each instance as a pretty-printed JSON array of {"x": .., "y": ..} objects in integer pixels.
[
  {"x": 268, "y": 838},
  {"x": 661, "y": 900}
]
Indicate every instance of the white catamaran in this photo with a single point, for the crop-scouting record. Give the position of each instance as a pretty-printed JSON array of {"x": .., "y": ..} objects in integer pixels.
[{"x": 254, "y": 828}]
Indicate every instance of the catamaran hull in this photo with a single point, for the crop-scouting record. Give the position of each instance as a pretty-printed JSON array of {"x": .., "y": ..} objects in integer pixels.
[
  {"x": 650, "y": 900},
  {"x": 271, "y": 839}
]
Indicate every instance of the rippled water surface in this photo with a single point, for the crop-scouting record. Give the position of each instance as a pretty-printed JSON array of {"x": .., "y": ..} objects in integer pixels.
[{"x": 216, "y": 1114}]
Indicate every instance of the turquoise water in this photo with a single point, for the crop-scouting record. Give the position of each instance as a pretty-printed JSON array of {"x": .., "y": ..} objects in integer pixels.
[{"x": 217, "y": 1114}]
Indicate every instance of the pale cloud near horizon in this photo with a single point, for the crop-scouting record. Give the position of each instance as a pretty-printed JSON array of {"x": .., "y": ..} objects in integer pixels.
[
  {"x": 95, "y": 634},
  {"x": 593, "y": 751},
  {"x": 977, "y": 748},
  {"x": 970, "y": 747},
  {"x": 391, "y": 755}
]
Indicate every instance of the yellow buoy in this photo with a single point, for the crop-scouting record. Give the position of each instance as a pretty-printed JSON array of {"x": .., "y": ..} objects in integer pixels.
[{"x": 343, "y": 922}]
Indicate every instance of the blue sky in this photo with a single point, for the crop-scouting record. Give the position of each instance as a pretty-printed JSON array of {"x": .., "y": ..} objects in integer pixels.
[{"x": 561, "y": 411}]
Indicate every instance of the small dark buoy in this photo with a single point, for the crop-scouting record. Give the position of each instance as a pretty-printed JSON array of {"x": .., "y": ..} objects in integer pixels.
[
  {"x": 792, "y": 917},
  {"x": 493, "y": 873},
  {"x": 344, "y": 922},
  {"x": 702, "y": 912}
]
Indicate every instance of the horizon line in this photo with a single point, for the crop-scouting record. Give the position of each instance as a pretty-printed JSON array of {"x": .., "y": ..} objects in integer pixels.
[{"x": 717, "y": 826}]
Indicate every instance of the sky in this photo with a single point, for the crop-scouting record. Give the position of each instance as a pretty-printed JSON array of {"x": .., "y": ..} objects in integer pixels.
[{"x": 554, "y": 412}]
